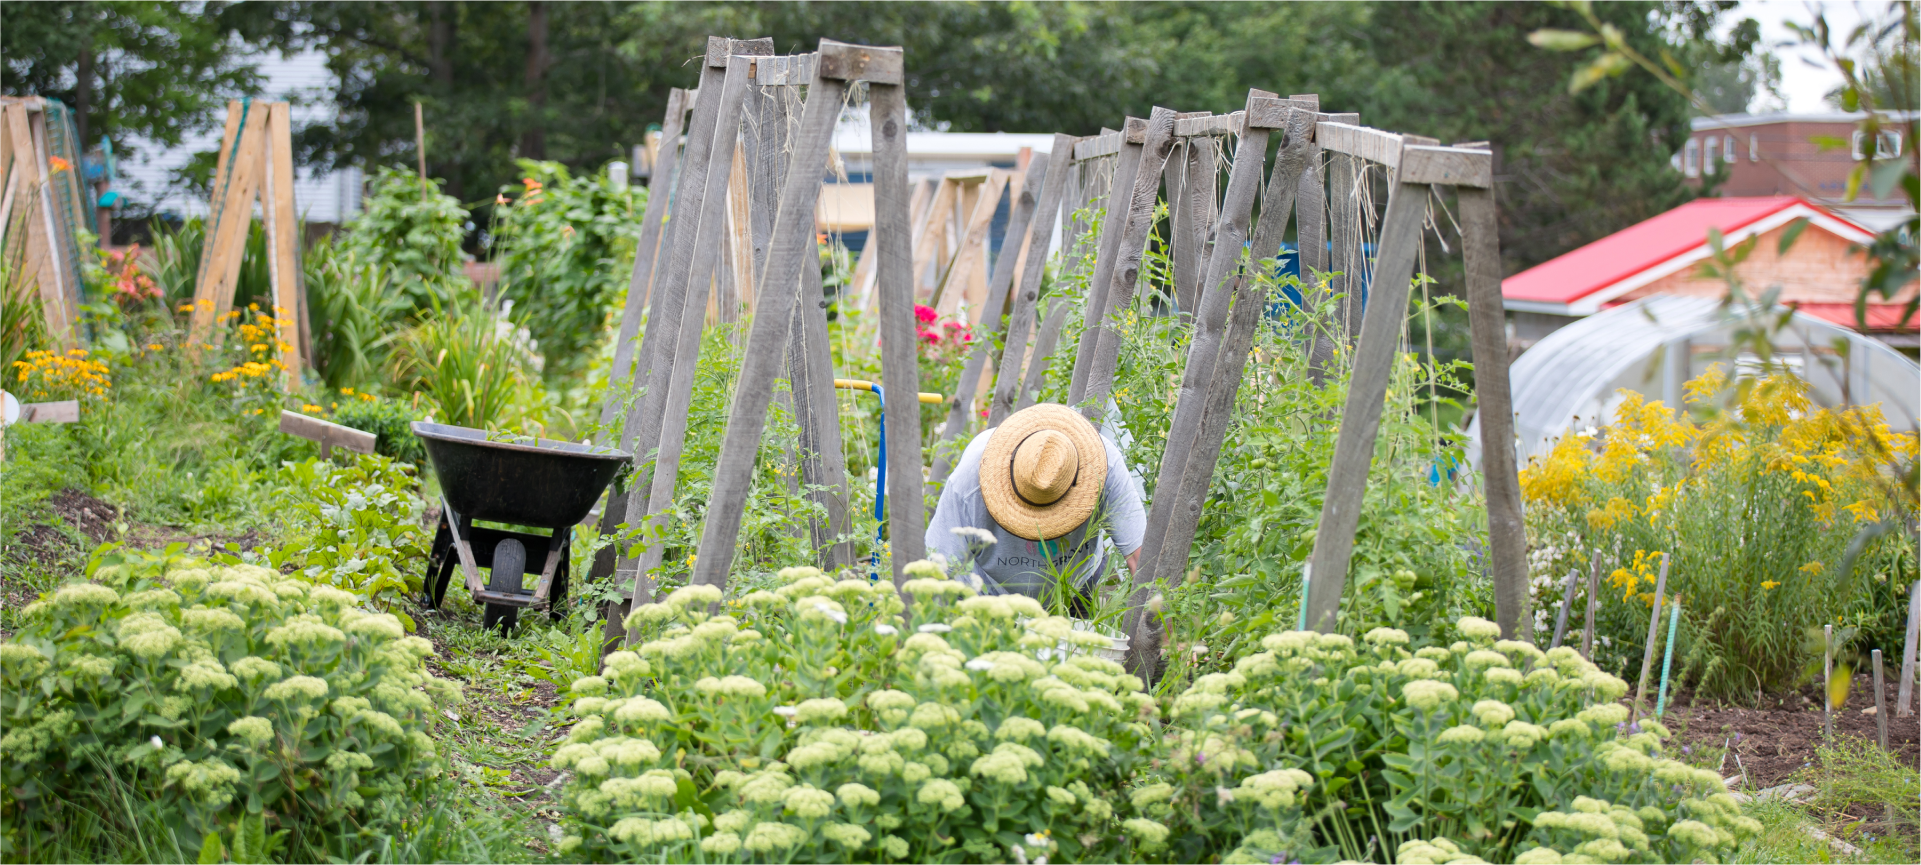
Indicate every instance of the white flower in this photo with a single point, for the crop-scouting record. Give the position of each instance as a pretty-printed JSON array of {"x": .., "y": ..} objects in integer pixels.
[
  {"x": 157, "y": 744},
  {"x": 934, "y": 628},
  {"x": 839, "y": 617},
  {"x": 974, "y": 536},
  {"x": 886, "y": 630},
  {"x": 786, "y": 711},
  {"x": 980, "y": 665}
]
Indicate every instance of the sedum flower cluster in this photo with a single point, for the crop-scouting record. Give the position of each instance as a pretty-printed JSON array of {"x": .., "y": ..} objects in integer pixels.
[
  {"x": 218, "y": 692},
  {"x": 1490, "y": 749},
  {"x": 830, "y": 721}
]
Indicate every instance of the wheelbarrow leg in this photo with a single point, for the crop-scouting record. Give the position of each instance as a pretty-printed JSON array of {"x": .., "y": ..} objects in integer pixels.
[
  {"x": 510, "y": 564},
  {"x": 557, "y": 601},
  {"x": 440, "y": 564}
]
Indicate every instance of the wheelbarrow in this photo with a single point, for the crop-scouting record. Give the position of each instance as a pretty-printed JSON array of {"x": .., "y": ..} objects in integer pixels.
[
  {"x": 534, "y": 483},
  {"x": 880, "y": 459}
]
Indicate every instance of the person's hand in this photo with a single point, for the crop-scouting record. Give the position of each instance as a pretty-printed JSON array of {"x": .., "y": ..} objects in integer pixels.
[{"x": 1134, "y": 562}]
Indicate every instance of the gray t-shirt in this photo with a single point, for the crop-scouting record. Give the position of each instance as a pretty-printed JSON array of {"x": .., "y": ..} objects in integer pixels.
[{"x": 1016, "y": 564}]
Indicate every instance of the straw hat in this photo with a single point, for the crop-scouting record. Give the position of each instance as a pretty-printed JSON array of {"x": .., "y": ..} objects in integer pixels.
[{"x": 1043, "y": 472}]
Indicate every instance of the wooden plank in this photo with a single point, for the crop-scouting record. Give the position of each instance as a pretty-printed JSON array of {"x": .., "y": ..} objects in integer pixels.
[
  {"x": 973, "y": 242},
  {"x": 1210, "y": 124},
  {"x": 1593, "y": 606},
  {"x": 792, "y": 70},
  {"x": 227, "y": 240},
  {"x": 1198, "y": 200},
  {"x": 64, "y": 411},
  {"x": 1119, "y": 193},
  {"x": 671, "y": 293},
  {"x": 1367, "y": 390},
  {"x": 779, "y": 289},
  {"x": 739, "y": 250},
  {"x": 59, "y": 295},
  {"x": 1243, "y": 324},
  {"x": 1373, "y": 145},
  {"x": 1020, "y": 322},
  {"x": 900, "y": 360},
  {"x": 283, "y": 237},
  {"x": 1654, "y": 630},
  {"x": 961, "y": 403},
  {"x": 660, "y": 194},
  {"x": 1310, "y": 217},
  {"x": 329, "y": 434},
  {"x": 1158, "y": 144},
  {"x": 1567, "y": 600},
  {"x": 1487, "y": 326},
  {"x": 1044, "y": 344},
  {"x": 1099, "y": 146},
  {"x": 712, "y": 248},
  {"x": 1160, "y": 558},
  {"x": 1449, "y": 166},
  {"x": 823, "y": 465},
  {"x": 28, "y": 182},
  {"x": 927, "y": 233},
  {"x": 874, "y": 65}
]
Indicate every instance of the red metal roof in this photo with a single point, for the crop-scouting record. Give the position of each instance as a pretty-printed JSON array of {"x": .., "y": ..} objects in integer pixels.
[
  {"x": 1630, "y": 251},
  {"x": 1881, "y": 316}
]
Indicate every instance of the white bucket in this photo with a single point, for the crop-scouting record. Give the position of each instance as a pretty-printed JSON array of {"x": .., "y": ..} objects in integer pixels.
[{"x": 1116, "y": 653}]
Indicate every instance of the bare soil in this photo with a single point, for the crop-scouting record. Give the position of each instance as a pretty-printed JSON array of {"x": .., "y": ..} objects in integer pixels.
[{"x": 1778, "y": 738}]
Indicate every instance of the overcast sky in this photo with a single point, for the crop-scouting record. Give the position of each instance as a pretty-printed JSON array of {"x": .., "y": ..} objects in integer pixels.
[{"x": 1804, "y": 86}]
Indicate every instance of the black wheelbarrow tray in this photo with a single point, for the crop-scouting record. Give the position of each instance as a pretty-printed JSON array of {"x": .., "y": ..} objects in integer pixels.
[{"x": 544, "y": 484}]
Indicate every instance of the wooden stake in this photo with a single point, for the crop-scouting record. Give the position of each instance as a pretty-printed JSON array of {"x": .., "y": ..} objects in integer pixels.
[
  {"x": 660, "y": 193},
  {"x": 1593, "y": 606},
  {"x": 1902, "y": 706},
  {"x": 1113, "y": 225},
  {"x": 1020, "y": 322},
  {"x": 283, "y": 238},
  {"x": 1654, "y": 630},
  {"x": 960, "y": 408},
  {"x": 1216, "y": 293},
  {"x": 1367, "y": 389},
  {"x": 1567, "y": 598},
  {"x": 1507, "y": 533},
  {"x": 1044, "y": 343},
  {"x": 1155, "y": 148},
  {"x": 779, "y": 288},
  {"x": 420, "y": 150},
  {"x": 900, "y": 364},
  {"x": 1880, "y": 704},
  {"x": 673, "y": 288},
  {"x": 714, "y": 243},
  {"x": 1827, "y": 682}
]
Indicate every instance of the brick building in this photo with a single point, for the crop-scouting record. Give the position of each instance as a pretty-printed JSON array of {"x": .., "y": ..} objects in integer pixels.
[{"x": 1777, "y": 154}]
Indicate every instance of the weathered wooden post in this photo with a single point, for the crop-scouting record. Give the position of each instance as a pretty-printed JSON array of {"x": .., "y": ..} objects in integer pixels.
[
  {"x": 778, "y": 290},
  {"x": 652, "y": 495},
  {"x": 1567, "y": 600},
  {"x": 959, "y": 412},
  {"x": 1880, "y": 704},
  {"x": 1129, "y": 144},
  {"x": 1593, "y": 606},
  {"x": 1020, "y": 322},
  {"x": 1119, "y": 291},
  {"x": 1654, "y": 632}
]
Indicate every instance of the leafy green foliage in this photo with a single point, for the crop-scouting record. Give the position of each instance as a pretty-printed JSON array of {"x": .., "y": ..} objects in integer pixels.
[
  {"x": 353, "y": 308},
  {"x": 411, "y": 231},
  {"x": 224, "y": 695},
  {"x": 477, "y": 370},
  {"x": 565, "y": 247},
  {"x": 391, "y": 422},
  {"x": 1506, "y": 753},
  {"x": 898, "y": 747},
  {"x": 356, "y": 528}
]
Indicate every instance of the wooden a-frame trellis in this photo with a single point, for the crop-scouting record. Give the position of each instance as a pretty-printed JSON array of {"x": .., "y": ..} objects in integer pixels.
[
  {"x": 30, "y": 214},
  {"x": 255, "y": 164},
  {"x": 741, "y": 205}
]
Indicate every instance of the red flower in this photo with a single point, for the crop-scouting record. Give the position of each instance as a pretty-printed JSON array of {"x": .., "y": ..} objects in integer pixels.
[{"x": 925, "y": 313}]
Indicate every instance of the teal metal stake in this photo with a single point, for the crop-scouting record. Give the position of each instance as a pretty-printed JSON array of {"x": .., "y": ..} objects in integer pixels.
[
  {"x": 1667, "y": 656},
  {"x": 1307, "y": 572}
]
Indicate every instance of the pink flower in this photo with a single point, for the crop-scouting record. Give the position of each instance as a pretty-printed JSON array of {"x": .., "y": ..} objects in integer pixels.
[{"x": 925, "y": 313}]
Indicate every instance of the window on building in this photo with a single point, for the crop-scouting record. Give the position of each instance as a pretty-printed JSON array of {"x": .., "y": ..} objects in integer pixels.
[
  {"x": 1887, "y": 145},
  {"x": 1691, "y": 158},
  {"x": 1754, "y": 148},
  {"x": 1727, "y": 150}
]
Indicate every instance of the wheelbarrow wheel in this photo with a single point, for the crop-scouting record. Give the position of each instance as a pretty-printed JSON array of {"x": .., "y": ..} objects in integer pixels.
[{"x": 510, "y": 565}]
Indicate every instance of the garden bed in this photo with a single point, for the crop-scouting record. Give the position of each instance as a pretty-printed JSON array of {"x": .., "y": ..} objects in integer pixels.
[{"x": 1778, "y": 737}]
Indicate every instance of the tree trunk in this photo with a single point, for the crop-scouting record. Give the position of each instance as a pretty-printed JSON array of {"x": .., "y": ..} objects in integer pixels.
[
  {"x": 533, "y": 142},
  {"x": 440, "y": 43}
]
